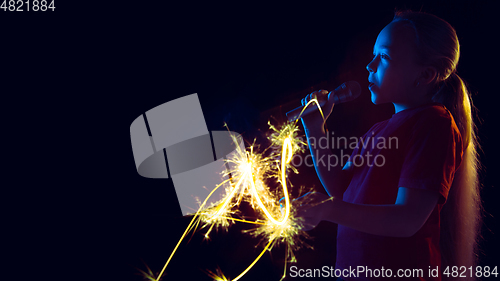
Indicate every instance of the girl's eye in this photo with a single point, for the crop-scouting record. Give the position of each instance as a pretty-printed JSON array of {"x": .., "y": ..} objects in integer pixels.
[{"x": 382, "y": 56}]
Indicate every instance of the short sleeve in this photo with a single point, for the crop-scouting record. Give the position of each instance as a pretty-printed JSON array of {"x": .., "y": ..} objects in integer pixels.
[{"x": 432, "y": 155}]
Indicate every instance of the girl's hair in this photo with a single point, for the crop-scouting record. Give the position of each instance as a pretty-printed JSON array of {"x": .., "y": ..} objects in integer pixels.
[{"x": 461, "y": 216}]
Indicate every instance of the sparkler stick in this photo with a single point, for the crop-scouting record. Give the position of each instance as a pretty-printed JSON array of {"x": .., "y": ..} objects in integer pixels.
[{"x": 251, "y": 168}]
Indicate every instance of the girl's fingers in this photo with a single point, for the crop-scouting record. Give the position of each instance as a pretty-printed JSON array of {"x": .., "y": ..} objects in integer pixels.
[
  {"x": 322, "y": 95},
  {"x": 313, "y": 95}
]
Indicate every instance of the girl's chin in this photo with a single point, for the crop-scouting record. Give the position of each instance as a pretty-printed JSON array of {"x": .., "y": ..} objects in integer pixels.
[{"x": 375, "y": 98}]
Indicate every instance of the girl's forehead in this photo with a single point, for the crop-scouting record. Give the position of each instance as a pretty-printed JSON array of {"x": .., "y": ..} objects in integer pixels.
[{"x": 396, "y": 35}]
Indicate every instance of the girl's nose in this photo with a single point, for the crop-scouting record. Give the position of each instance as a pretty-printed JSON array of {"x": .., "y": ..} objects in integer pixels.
[{"x": 371, "y": 65}]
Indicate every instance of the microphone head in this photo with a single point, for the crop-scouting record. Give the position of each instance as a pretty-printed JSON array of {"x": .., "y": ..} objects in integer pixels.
[{"x": 348, "y": 91}]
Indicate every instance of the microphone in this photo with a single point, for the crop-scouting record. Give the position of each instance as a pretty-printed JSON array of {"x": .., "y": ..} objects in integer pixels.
[{"x": 348, "y": 91}]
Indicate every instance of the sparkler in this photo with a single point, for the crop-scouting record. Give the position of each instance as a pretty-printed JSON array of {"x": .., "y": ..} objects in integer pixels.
[{"x": 247, "y": 181}]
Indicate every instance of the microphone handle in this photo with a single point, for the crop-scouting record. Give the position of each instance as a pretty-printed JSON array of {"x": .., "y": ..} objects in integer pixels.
[{"x": 293, "y": 115}]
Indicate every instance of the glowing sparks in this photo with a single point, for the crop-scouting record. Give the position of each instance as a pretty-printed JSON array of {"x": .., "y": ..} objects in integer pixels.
[{"x": 249, "y": 181}]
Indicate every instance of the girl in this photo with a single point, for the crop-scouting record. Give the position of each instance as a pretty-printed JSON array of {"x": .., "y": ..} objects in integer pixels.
[{"x": 392, "y": 215}]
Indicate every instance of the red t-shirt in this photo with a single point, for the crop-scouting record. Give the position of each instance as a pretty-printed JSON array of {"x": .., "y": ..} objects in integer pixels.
[{"x": 417, "y": 148}]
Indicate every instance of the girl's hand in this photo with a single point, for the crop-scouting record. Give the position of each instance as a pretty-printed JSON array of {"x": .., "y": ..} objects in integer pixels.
[
  {"x": 314, "y": 119},
  {"x": 311, "y": 207}
]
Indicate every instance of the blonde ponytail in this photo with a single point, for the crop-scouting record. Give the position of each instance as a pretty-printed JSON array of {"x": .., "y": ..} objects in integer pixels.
[
  {"x": 462, "y": 213},
  {"x": 454, "y": 95}
]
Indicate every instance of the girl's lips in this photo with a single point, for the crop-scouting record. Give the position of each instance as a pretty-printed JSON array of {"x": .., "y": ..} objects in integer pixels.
[{"x": 370, "y": 85}]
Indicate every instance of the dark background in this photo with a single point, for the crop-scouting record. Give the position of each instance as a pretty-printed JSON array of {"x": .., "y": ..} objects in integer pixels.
[{"x": 75, "y": 79}]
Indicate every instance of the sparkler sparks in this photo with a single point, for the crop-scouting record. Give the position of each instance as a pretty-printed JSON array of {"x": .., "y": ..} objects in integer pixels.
[{"x": 249, "y": 181}]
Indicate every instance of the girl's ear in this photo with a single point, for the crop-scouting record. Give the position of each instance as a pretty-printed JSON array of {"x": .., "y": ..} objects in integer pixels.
[{"x": 427, "y": 76}]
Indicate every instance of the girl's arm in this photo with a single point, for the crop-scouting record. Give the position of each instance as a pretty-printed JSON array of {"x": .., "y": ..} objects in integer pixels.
[
  {"x": 333, "y": 178},
  {"x": 402, "y": 219}
]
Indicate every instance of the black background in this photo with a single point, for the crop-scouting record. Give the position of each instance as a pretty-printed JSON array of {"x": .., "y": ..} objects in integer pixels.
[{"x": 75, "y": 79}]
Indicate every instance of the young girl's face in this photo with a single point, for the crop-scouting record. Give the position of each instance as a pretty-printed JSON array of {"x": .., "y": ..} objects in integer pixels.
[{"x": 394, "y": 70}]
